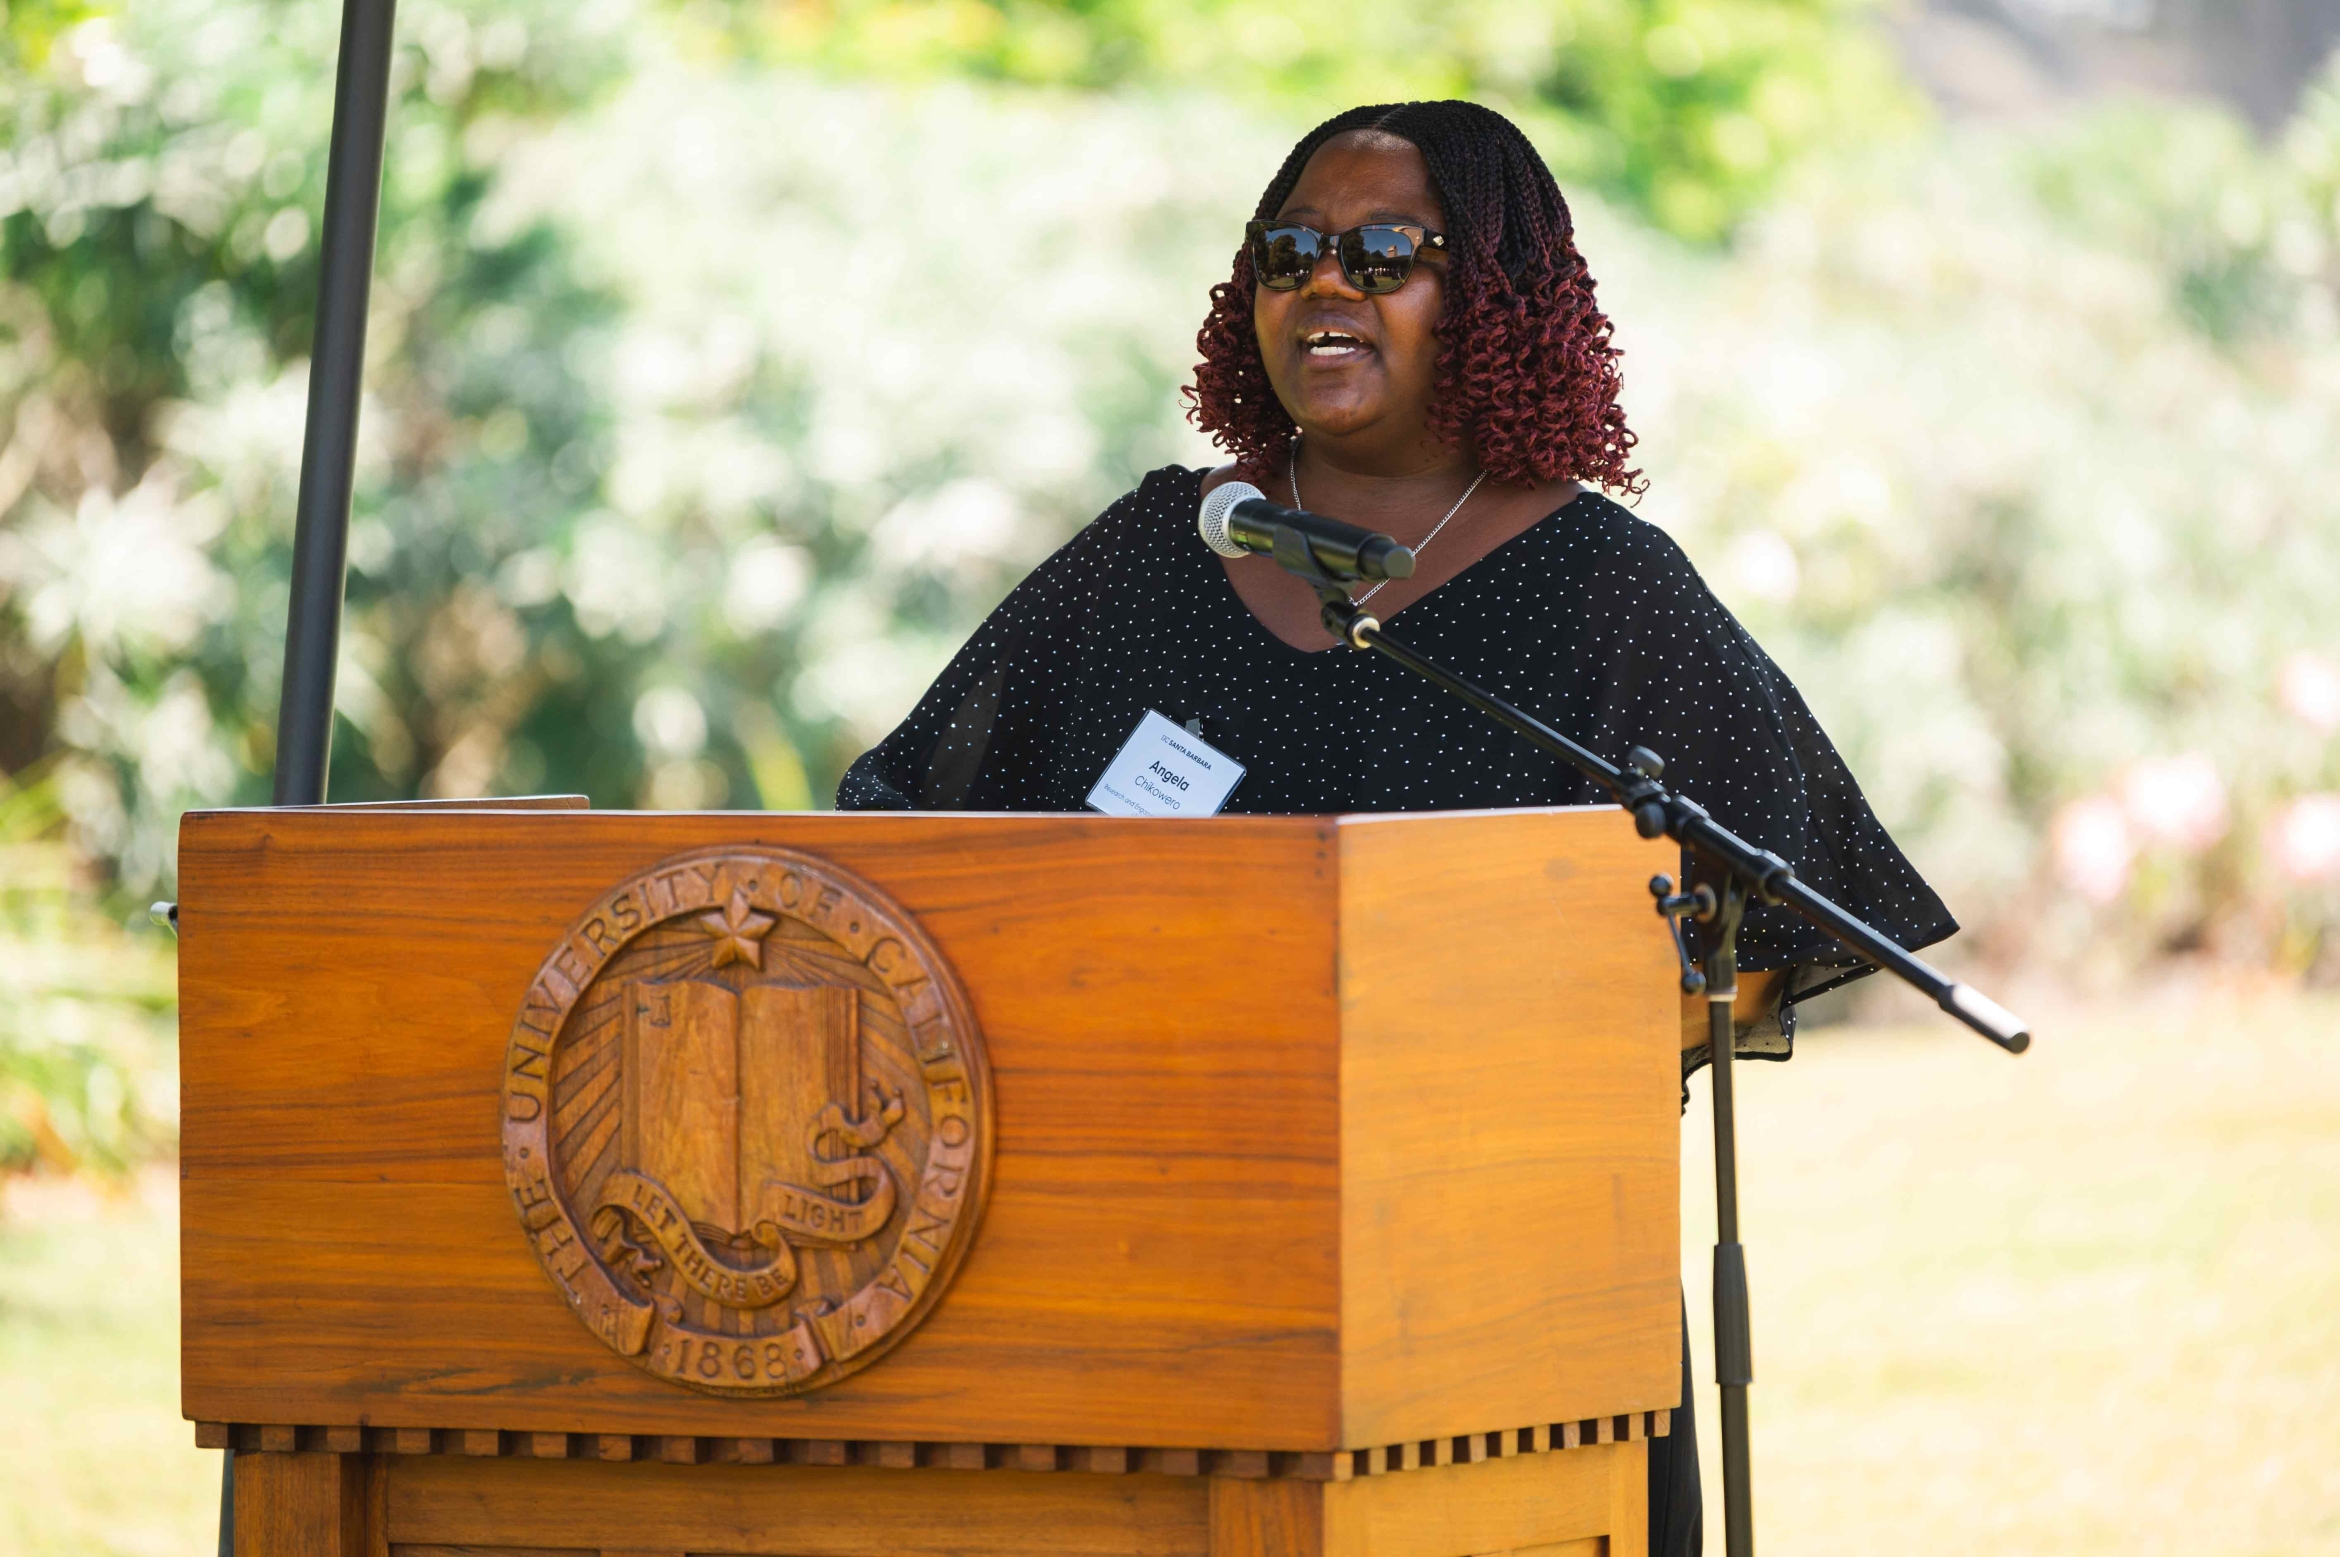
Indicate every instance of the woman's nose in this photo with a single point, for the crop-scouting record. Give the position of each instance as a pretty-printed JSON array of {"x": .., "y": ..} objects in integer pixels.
[{"x": 1327, "y": 279}]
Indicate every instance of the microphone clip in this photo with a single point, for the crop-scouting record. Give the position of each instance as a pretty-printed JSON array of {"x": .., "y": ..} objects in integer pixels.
[{"x": 1346, "y": 620}]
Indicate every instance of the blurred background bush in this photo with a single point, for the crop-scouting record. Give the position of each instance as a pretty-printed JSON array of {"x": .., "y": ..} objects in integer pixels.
[{"x": 729, "y": 360}]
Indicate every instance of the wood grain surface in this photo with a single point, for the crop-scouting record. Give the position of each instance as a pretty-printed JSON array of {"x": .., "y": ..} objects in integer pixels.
[
  {"x": 1509, "y": 1134},
  {"x": 1163, "y": 1257},
  {"x": 435, "y": 1549},
  {"x": 496, "y": 803},
  {"x": 1157, "y": 1263},
  {"x": 1578, "y": 1505},
  {"x": 1266, "y": 1518},
  {"x": 313, "y": 1504},
  {"x": 792, "y": 1511},
  {"x": 1522, "y": 1506}
]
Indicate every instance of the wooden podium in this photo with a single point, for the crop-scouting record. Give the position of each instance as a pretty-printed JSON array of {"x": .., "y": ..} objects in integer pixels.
[{"x": 881, "y": 1186}]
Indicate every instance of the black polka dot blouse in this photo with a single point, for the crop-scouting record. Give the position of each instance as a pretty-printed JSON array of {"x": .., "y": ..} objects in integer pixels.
[{"x": 1591, "y": 619}]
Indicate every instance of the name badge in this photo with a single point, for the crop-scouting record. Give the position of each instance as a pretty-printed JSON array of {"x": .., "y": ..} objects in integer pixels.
[{"x": 1164, "y": 769}]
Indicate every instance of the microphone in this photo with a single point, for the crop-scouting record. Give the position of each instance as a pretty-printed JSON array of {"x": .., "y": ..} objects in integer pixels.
[{"x": 1238, "y": 518}]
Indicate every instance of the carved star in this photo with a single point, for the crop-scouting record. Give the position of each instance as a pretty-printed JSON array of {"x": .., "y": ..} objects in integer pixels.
[{"x": 739, "y": 931}]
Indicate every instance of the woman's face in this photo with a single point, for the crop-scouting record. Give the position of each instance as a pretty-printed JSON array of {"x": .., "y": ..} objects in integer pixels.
[{"x": 1353, "y": 368}]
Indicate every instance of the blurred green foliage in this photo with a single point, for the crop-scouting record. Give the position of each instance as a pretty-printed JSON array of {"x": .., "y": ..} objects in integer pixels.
[
  {"x": 2021, "y": 460},
  {"x": 161, "y": 170},
  {"x": 693, "y": 443},
  {"x": 87, "y": 1078},
  {"x": 1684, "y": 110},
  {"x": 160, "y": 167}
]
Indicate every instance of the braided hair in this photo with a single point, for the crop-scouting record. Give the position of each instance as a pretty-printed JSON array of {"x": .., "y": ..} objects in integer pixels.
[{"x": 1526, "y": 376}]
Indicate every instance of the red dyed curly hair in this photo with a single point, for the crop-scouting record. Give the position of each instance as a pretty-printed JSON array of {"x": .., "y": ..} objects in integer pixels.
[{"x": 1526, "y": 375}]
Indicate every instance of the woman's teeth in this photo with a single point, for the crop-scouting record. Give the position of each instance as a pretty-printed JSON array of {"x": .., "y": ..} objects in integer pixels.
[{"x": 1329, "y": 345}]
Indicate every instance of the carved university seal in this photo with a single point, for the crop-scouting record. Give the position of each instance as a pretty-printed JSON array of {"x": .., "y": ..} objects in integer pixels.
[{"x": 747, "y": 1121}]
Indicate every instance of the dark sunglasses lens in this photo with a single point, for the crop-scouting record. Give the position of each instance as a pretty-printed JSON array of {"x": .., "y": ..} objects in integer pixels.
[
  {"x": 1283, "y": 256},
  {"x": 1376, "y": 259}
]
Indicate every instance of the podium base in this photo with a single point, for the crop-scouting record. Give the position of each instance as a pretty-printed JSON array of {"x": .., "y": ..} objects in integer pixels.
[{"x": 1588, "y": 1502}]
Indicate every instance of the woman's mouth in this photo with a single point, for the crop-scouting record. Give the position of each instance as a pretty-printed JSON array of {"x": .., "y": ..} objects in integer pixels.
[{"x": 1324, "y": 345}]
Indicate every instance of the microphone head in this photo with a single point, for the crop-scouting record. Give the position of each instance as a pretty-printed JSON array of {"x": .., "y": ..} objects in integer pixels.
[{"x": 1217, "y": 505}]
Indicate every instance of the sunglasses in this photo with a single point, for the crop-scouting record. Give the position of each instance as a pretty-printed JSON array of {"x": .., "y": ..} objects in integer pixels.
[{"x": 1375, "y": 258}]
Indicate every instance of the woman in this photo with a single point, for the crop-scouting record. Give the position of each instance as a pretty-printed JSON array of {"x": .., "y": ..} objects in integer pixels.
[{"x": 1410, "y": 343}]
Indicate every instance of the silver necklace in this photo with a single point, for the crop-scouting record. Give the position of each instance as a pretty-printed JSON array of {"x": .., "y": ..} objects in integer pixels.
[{"x": 1294, "y": 471}]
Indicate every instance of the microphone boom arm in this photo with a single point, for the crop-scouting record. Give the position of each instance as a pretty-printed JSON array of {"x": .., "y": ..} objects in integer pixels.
[{"x": 1659, "y": 811}]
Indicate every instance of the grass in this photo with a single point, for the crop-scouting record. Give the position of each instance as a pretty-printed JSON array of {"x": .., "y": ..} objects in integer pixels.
[
  {"x": 94, "y": 1460},
  {"x": 2083, "y": 1302}
]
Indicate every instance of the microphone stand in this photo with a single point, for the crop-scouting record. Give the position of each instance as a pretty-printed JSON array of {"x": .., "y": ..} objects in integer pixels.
[{"x": 1746, "y": 872}]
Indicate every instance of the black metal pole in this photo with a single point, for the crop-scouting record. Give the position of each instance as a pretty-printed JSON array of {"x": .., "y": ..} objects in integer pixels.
[
  {"x": 1734, "y": 1344},
  {"x": 337, "y": 363},
  {"x": 353, "y": 191}
]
